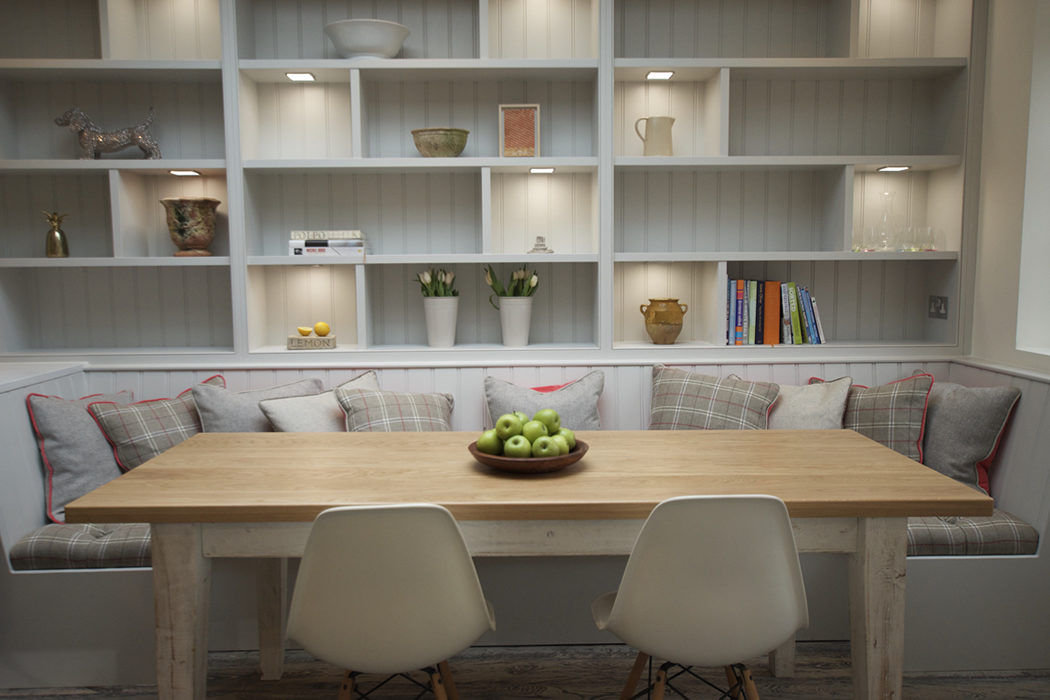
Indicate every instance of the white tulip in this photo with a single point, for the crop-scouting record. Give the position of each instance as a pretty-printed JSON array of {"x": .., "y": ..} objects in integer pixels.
[
  {"x": 449, "y": 276},
  {"x": 425, "y": 277},
  {"x": 534, "y": 281},
  {"x": 488, "y": 278}
]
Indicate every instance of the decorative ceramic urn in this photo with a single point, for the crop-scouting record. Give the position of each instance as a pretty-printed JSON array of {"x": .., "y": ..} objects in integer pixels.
[
  {"x": 191, "y": 222},
  {"x": 663, "y": 319}
]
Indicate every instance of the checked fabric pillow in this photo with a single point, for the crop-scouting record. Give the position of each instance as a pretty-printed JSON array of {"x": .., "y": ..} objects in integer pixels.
[
  {"x": 575, "y": 402},
  {"x": 684, "y": 400},
  {"x": 320, "y": 413},
  {"x": 395, "y": 411},
  {"x": 140, "y": 431}
]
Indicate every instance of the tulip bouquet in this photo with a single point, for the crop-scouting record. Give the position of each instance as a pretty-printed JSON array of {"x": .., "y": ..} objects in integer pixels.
[
  {"x": 522, "y": 284},
  {"x": 437, "y": 283}
]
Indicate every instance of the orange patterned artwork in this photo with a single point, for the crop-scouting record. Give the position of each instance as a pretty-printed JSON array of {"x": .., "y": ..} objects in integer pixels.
[{"x": 519, "y": 134}]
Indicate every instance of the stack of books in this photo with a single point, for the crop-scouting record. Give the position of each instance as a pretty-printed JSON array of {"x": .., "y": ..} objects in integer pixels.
[
  {"x": 761, "y": 312},
  {"x": 352, "y": 244}
]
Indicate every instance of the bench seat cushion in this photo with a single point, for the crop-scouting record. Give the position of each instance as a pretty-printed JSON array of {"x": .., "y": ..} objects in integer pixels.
[
  {"x": 93, "y": 546},
  {"x": 999, "y": 533}
]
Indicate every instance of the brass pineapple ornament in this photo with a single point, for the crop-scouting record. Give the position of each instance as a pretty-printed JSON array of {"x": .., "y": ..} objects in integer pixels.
[{"x": 57, "y": 246}]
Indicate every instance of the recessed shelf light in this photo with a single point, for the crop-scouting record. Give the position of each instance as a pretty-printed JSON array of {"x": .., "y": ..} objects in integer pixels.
[
  {"x": 894, "y": 168},
  {"x": 301, "y": 77},
  {"x": 659, "y": 75},
  {"x": 185, "y": 173},
  {"x": 541, "y": 171}
]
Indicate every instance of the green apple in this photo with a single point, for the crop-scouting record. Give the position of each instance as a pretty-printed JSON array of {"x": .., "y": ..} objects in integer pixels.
[
  {"x": 507, "y": 426},
  {"x": 489, "y": 443},
  {"x": 517, "y": 446},
  {"x": 550, "y": 418},
  {"x": 570, "y": 437},
  {"x": 545, "y": 447},
  {"x": 563, "y": 444},
  {"x": 523, "y": 417},
  {"x": 534, "y": 429}
]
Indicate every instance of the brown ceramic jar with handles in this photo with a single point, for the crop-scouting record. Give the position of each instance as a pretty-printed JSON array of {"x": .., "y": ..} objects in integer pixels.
[{"x": 663, "y": 319}]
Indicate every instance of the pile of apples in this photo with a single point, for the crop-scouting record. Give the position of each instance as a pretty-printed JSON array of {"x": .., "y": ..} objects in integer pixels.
[{"x": 515, "y": 435}]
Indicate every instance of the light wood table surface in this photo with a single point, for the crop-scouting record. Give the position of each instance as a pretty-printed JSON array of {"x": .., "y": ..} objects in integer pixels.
[{"x": 255, "y": 494}]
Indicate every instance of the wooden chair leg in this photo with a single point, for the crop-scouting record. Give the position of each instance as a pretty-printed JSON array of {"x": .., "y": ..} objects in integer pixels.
[
  {"x": 750, "y": 691},
  {"x": 446, "y": 677},
  {"x": 636, "y": 674},
  {"x": 436, "y": 685},
  {"x": 731, "y": 680},
  {"x": 346, "y": 689},
  {"x": 661, "y": 684}
]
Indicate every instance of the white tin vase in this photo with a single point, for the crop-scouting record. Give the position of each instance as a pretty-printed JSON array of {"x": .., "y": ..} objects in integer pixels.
[
  {"x": 441, "y": 314},
  {"x": 515, "y": 317}
]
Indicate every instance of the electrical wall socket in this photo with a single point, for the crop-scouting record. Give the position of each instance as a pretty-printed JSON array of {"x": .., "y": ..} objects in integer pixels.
[{"x": 939, "y": 307}]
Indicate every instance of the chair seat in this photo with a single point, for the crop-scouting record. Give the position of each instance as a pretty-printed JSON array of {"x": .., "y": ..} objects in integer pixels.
[{"x": 91, "y": 546}]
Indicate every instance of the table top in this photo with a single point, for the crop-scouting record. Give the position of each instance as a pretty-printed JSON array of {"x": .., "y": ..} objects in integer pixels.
[{"x": 291, "y": 477}]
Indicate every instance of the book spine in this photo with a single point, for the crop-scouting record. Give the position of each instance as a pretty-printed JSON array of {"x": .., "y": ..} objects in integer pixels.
[
  {"x": 811, "y": 324},
  {"x": 820, "y": 326},
  {"x": 796, "y": 326},
  {"x": 752, "y": 311},
  {"x": 323, "y": 235},
  {"x": 730, "y": 302},
  {"x": 738, "y": 337},
  {"x": 785, "y": 315},
  {"x": 746, "y": 327},
  {"x": 771, "y": 324},
  {"x": 760, "y": 314}
]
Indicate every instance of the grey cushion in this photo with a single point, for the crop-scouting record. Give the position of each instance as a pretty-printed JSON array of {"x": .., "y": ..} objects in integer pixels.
[
  {"x": 811, "y": 407},
  {"x": 319, "y": 413},
  {"x": 576, "y": 402},
  {"x": 77, "y": 457},
  {"x": 224, "y": 411},
  {"x": 395, "y": 411},
  {"x": 684, "y": 400},
  {"x": 999, "y": 533},
  {"x": 83, "y": 547},
  {"x": 963, "y": 427}
]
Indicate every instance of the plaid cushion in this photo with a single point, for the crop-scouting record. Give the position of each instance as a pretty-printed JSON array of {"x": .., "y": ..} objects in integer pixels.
[
  {"x": 999, "y": 533},
  {"x": 141, "y": 431},
  {"x": 689, "y": 401},
  {"x": 83, "y": 547},
  {"x": 893, "y": 414},
  {"x": 394, "y": 411}
]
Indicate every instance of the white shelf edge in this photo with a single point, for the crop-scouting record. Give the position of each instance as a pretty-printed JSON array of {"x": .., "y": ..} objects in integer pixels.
[
  {"x": 77, "y": 352},
  {"x": 111, "y": 70},
  {"x": 337, "y": 70},
  {"x": 862, "y": 163},
  {"x": 421, "y": 164},
  {"x": 210, "y": 261},
  {"x": 803, "y": 256},
  {"x": 481, "y": 258},
  {"x": 301, "y": 260},
  {"x": 702, "y": 69},
  {"x": 207, "y": 166}
]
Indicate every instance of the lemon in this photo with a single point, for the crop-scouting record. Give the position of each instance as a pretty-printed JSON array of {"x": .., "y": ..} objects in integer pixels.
[
  {"x": 322, "y": 329},
  {"x": 304, "y": 330}
]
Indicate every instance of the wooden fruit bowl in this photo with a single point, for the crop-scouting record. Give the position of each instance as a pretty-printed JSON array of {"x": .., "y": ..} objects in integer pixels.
[{"x": 529, "y": 465}]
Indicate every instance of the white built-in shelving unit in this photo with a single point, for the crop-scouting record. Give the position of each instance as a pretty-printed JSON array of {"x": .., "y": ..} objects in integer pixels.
[{"x": 784, "y": 113}]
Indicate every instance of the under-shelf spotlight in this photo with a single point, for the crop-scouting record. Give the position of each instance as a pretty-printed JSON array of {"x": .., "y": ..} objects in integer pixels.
[
  {"x": 301, "y": 77},
  {"x": 185, "y": 173},
  {"x": 894, "y": 168},
  {"x": 659, "y": 75},
  {"x": 541, "y": 171}
]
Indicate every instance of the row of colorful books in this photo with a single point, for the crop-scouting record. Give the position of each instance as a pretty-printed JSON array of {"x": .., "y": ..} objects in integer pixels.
[{"x": 766, "y": 312}]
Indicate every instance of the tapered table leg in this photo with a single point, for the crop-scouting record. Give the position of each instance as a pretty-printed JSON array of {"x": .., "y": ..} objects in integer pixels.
[
  {"x": 876, "y": 573},
  {"x": 181, "y": 591}
]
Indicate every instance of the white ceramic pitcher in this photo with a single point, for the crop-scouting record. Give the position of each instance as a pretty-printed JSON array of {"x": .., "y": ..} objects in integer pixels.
[{"x": 657, "y": 137}]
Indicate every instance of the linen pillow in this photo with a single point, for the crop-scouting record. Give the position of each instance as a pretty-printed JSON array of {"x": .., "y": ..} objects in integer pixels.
[
  {"x": 893, "y": 414},
  {"x": 140, "y": 431},
  {"x": 963, "y": 429},
  {"x": 320, "y": 413},
  {"x": 812, "y": 407},
  {"x": 684, "y": 400},
  {"x": 575, "y": 402},
  {"x": 76, "y": 456},
  {"x": 395, "y": 411},
  {"x": 224, "y": 411}
]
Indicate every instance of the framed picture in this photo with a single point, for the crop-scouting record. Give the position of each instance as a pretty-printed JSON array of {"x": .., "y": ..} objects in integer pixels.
[{"x": 519, "y": 130}]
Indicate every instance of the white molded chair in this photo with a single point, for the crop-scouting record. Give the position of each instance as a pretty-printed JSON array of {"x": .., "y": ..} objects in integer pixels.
[
  {"x": 712, "y": 581},
  {"x": 388, "y": 590}
]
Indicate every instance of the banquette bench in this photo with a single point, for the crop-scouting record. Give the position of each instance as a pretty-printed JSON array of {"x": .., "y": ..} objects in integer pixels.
[{"x": 92, "y": 626}]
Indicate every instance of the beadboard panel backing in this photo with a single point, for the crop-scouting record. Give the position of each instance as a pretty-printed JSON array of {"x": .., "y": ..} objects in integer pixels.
[
  {"x": 116, "y": 308},
  {"x": 398, "y": 212},
  {"x": 290, "y": 30},
  {"x": 921, "y": 198},
  {"x": 846, "y": 117},
  {"x": 188, "y": 122},
  {"x": 913, "y": 28},
  {"x": 731, "y": 211},
  {"x": 84, "y": 197},
  {"x": 752, "y": 28},
  {"x": 297, "y": 120},
  {"x": 527, "y": 29},
  {"x": 161, "y": 29},
  {"x": 140, "y": 225},
  {"x": 563, "y": 208},
  {"x": 282, "y": 298},
  {"x": 698, "y": 285},
  {"x": 563, "y": 306},
  {"x": 53, "y": 29},
  {"x": 393, "y": 109},
  {"x": 695, "y": 106}
]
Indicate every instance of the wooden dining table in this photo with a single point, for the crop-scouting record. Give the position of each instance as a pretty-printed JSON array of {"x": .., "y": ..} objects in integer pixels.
[{"x": 255, "y": 495}]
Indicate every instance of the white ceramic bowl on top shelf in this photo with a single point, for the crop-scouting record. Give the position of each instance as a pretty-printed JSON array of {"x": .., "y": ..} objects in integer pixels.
[{"x": 367, "y": 38}]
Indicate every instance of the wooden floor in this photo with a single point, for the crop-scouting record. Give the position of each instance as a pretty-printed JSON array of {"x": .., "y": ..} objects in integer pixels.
[{"x": 566, "y": 673}]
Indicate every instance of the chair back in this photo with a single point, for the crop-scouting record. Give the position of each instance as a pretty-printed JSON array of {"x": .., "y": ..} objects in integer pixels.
[
  {"x": 387, "y": 589},
  {"x": 712, "y": 581}
]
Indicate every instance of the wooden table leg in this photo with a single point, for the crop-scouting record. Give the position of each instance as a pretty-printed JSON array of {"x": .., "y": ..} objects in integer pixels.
[
  {"x": 271, "y": 579},
  {"x": 782, "y": 660},
  {"x": 876, "y": 573},
  {"x": 181, "y": 592}
]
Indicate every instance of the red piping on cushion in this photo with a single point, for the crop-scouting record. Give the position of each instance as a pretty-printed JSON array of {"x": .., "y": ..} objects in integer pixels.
[{"x": 983, "y": 479}]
